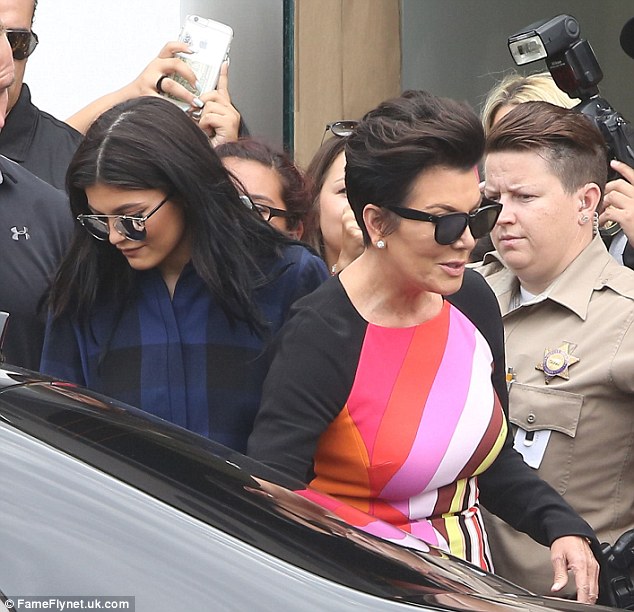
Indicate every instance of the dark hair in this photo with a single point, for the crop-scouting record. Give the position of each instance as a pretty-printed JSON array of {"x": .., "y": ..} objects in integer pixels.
[
  {"x": 317, "y": 170},
  {"x": 401, "y": 138},
  {"x": 149, "y": 143},
  {"x": 567, "y": 139},
  {"x": 295, "y": 189}
]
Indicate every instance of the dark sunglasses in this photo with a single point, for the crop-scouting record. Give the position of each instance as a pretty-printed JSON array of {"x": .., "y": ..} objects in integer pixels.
[
  {"x": 451, "y": 226},
  {"x": 132, "y": 228},
  {"x": 341, "y": 128},
  {"x": 23, "y": 42}
]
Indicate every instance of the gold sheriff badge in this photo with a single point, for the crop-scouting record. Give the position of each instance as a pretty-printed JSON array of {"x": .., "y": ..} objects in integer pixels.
[{"x": 557, "y": 361}]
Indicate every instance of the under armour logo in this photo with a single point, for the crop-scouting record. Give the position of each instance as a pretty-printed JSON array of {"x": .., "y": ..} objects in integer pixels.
[{"x": 16, "y": 233}]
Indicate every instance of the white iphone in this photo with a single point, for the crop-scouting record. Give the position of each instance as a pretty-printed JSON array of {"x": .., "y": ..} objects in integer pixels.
[{"x": 209, "y": 42}]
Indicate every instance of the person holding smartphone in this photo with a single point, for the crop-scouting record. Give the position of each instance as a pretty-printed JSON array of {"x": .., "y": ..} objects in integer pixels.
[{"x": 213, "y": 110}]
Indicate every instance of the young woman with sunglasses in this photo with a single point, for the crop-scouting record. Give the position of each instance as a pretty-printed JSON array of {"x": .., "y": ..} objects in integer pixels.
[
  {"x": 387, "y": 387},
  {"x": 278, "y": 189},
  {"x": 171, "y": 286}
]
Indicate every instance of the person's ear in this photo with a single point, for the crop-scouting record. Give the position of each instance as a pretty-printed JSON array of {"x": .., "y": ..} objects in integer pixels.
[
  {"x": 373, "y": 217},
  {"x": 298, "y": 232},
  {"x": 589, "y": 198}
]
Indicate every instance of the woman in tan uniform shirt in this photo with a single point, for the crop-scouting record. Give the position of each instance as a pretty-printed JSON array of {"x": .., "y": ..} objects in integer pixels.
[{"x": 568, "y": 312}]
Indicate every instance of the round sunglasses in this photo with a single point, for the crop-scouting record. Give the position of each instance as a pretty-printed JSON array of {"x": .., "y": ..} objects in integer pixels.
[
  {"x": 130, "y": 227},
  {"x": 341, "y": 128},
  {"x": 451, "y": 226}
]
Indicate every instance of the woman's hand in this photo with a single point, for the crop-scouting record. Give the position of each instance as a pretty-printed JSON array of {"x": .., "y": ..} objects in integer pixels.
[
  {"x": 165, "y": 65},
  {"x": 618, "y": 202},
  {"x": 146, "y": 84},
  {"x": 351, "y": 240},
  {"x": 219, "y": 119},
  {"x": 573, "y": 553}
]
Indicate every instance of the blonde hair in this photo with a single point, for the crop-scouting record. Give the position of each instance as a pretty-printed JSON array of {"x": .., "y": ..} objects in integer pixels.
[{"x": 515, "y": 89}]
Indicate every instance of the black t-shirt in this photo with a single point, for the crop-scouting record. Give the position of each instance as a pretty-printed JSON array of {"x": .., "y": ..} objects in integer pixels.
[
  {"x": 35, "y": 230},
  {"x": 37, "y": 141}
]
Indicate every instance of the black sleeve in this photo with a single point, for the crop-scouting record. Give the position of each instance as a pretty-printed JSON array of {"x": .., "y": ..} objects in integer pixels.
[
  {"x": 510, "y": 489},
  {"x": 313, "y": 363},
  {"x": 477, "y": 301}
]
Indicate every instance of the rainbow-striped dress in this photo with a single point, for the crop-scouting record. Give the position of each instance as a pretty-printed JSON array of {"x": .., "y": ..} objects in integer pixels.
[{"x": 396, "y": 422}]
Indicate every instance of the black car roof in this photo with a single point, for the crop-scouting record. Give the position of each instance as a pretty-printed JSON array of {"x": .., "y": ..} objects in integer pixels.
[{"x": 231, "y": 492}]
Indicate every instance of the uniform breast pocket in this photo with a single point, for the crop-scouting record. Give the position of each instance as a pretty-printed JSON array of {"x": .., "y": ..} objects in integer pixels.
[{"x": 556, "y": 413}]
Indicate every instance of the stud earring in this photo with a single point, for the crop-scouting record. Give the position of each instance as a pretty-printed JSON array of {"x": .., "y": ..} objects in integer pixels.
[
  {"x": 380, "y": 244},
  {"x": 585, "y": 219}
]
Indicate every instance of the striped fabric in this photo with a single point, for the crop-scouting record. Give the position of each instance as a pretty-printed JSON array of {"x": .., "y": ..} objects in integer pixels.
[{"x": 421, "y": 422}]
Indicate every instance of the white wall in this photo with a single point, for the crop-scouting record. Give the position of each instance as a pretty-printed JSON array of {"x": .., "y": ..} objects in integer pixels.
[{"x": 90, "y": 47}]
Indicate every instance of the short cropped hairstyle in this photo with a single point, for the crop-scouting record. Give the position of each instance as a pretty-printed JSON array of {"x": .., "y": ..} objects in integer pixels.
[
  {"x": 295, "y": 190},
  {"x": 403, "y": 137},
  {"x": 568, "y": 140},
  {"x": 516, "y": 89}
]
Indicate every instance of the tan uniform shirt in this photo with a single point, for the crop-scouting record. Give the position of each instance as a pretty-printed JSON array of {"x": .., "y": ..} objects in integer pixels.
[{"x": 572, "y": 355}]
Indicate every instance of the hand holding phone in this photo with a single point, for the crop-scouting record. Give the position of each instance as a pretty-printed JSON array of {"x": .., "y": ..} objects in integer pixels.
[{"x": 209, "y": 42}]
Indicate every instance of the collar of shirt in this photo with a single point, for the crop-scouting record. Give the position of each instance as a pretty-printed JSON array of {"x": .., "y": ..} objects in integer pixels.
[
  {"x": 19, "y": 130},
  {"x": 5, "y": 170},
  {"x": 592, "y": 270}
]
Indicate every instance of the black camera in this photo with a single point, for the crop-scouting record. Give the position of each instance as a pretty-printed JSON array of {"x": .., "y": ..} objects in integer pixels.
[
  {"x": 619, "y": 564},
  {"x": 576, "y": 71}
]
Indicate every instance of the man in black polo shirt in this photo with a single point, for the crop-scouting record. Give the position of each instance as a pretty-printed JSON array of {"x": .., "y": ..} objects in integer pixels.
[
  {"x": 36, "y": 140},
  {"x": 35, "y": 228}
]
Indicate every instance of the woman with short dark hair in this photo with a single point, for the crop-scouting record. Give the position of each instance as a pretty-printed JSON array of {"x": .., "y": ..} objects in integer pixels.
[{"x": 387, "y": 388}]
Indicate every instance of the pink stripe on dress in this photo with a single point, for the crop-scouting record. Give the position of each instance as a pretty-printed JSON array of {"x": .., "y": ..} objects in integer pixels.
[
  {"x": 380, "y": 361},
  {"x": 441, "y": 417}
]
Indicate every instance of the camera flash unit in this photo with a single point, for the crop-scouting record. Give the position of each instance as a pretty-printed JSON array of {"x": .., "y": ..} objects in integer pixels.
[{"x": 543, "y": 39}]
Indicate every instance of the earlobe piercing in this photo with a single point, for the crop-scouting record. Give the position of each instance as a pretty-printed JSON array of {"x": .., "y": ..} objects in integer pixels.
[{"x": 380, "y": 244}]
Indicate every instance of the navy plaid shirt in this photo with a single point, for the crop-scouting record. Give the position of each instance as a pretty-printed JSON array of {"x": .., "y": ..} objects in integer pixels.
[{"x": 179, "y": 358}]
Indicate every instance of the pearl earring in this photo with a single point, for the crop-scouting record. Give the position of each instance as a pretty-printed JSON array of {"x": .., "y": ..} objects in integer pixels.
[{"x": 380, "y": 244}]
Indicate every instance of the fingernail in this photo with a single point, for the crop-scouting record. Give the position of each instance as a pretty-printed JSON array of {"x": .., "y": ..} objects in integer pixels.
[
  {"x": 199, "y": 86},
  {"x": 198, "y": 102}
]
